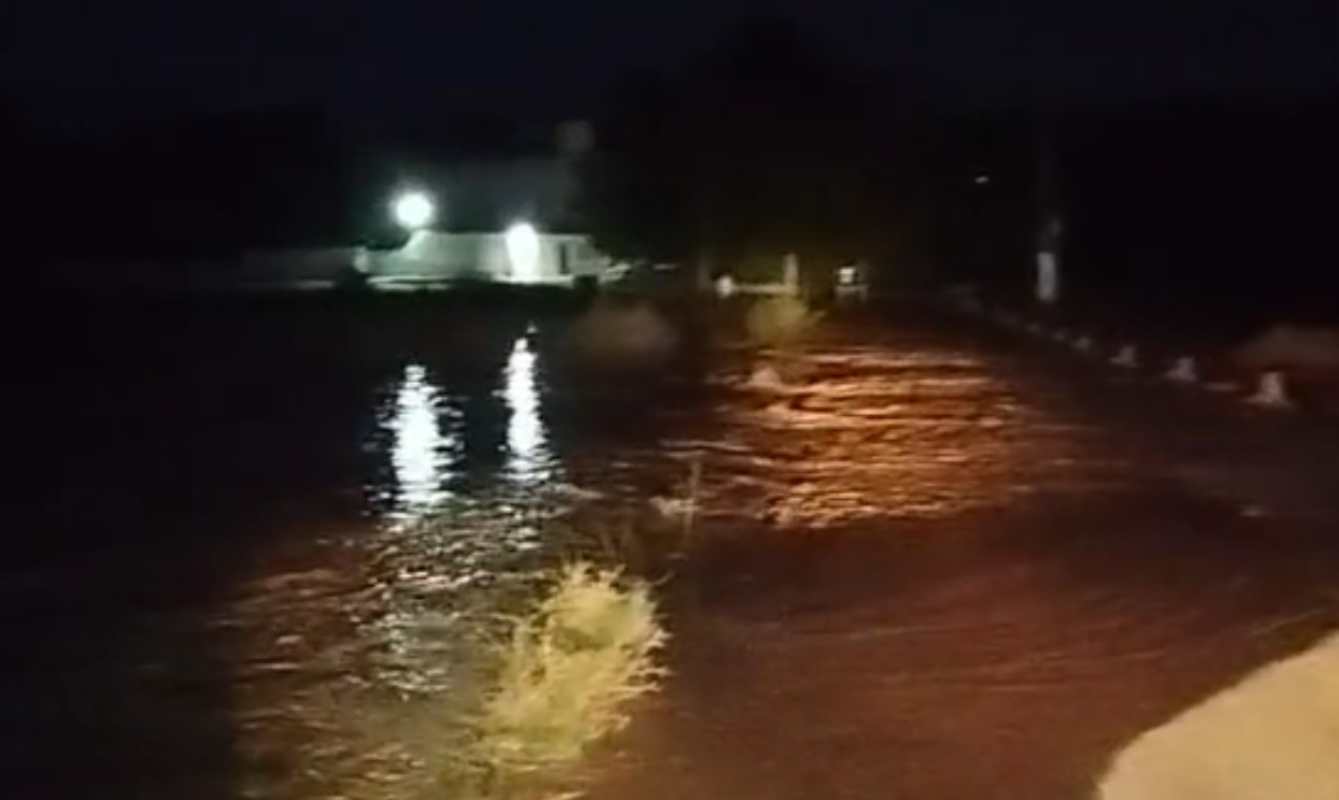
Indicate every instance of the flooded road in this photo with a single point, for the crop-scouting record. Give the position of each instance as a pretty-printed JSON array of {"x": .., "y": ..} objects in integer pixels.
[{"x": 260, "y": 546}]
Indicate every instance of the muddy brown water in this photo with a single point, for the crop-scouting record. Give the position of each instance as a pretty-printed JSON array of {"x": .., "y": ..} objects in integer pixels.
[{"x": 253, "y": 539}]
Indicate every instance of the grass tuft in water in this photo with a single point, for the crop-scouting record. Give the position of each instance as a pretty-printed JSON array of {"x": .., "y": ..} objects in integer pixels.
[
  {"x": 780, "y": 320},
  {"x": 566, "y": 673}
]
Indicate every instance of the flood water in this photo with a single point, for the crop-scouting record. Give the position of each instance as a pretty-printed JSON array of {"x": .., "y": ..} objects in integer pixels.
[{"x": 255, "y": 540}]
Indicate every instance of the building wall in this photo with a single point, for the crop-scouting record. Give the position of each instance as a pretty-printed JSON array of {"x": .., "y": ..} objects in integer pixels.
[{"x": 435, "y": 256}]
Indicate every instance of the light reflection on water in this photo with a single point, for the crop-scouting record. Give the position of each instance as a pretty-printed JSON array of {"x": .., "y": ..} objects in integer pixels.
[
  {"x": 859, "y": 433},
  {"x": 463, "y": 528},
  {"x": 426, "y": 445},
  {"x": 423, "y": 427},
  {"x": 384, "y": 629},
  {"x": 528, "y": 456},
  {"x": 394, "y": 636}
]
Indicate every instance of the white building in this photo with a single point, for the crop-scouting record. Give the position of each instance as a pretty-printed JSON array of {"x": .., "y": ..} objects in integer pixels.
[
  {"x": 479, "y": 203},
  {"x": 520, "y": 255}
]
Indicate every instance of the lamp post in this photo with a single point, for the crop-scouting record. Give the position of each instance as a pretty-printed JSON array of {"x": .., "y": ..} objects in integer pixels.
[
  {"x": 522, "y": 242},
  {"x": 413, "y": 210}
]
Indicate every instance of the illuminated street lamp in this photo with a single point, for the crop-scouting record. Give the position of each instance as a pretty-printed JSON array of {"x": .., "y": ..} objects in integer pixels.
[
  {"x": 523, "y": 250},
  {"x": 413, "y": 210}
]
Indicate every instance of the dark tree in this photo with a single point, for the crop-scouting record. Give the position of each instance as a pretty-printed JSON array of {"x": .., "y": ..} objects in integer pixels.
[{"x": 765, "y": 145}]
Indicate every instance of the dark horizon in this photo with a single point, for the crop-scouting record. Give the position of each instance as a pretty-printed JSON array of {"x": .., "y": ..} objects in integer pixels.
[
  {"x": 1154, "y": 169},
  {"x": 100, "y": 67}
]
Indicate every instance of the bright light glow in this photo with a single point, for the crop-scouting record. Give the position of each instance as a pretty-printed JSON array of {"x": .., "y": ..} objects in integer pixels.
[
  {"x": 982, "y": 179},
  {"x": 725, "y": 286},
  {"x": 414, "y": 210},
  {"x": 422, "y": 454},
  {"x": 523, "y": 250},
  {"x": 525, "y": 430},
  {"x": 846, "y": 276}
]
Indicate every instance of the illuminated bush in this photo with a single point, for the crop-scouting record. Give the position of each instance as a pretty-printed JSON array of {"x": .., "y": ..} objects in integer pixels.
[
  {"x": 613, "y": 334},
  {"x": 565, "y": 674},
  {"x": 1291, "y": 347},
  {"x": 779, "y": 319}
]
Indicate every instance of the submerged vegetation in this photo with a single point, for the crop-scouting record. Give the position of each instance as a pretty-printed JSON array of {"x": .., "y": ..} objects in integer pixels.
[
  {"x": 563, "y": 678},
  {"x": 780, "y": 320},
  {"x": 621, "y": 335}
]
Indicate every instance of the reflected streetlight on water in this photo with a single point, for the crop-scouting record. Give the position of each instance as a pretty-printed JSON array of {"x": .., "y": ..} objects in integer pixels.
[
  {"x": 422, "y": 455},
  {"x": 426, "y": 432},
  {"x": 527, "y": 452}
]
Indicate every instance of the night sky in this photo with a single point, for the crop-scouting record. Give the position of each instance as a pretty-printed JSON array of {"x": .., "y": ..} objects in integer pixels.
[{"x": 104, "y": 62}]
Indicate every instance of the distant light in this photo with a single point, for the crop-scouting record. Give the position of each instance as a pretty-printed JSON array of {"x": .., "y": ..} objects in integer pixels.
[
  {"x": 725, "y": 286},
  {"x": 846, "y": 276},
  {"x": 523, "y": 250},
  {"x": 413, "y": 210},
  {"x": 981, "y": 180}
]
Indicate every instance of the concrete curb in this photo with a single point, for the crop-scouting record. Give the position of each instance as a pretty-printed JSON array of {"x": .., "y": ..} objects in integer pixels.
[
  {"x": 1271, "y": 390},
  {"x": 1127, "y": 357},
  {"x": 1183, "y": 370}
]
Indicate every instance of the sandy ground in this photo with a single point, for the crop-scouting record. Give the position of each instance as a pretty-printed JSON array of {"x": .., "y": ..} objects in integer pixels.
[{"x": 1275, "y": 734}]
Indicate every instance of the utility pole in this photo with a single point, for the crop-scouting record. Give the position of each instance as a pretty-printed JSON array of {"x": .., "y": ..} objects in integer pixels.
[{"x": 1050, "y": 219}]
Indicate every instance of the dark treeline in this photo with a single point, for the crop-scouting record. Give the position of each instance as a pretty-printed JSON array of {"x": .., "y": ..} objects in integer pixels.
[
  {"x": 767, "y": 145},
  {"x": 1208, "y": 202},
  {"x": 763, "y": 145},
  {"x": 210, "y": 186},
  {"x": 203, "y": 186}
]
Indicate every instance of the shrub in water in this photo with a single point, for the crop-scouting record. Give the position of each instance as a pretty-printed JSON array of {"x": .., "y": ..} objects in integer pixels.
[
  {"x": 619, "y": 335},
  {"x": 1291, "y": 346},
  {"x": 565, "y": 675},
  {"x": 779, "y": 319}
]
